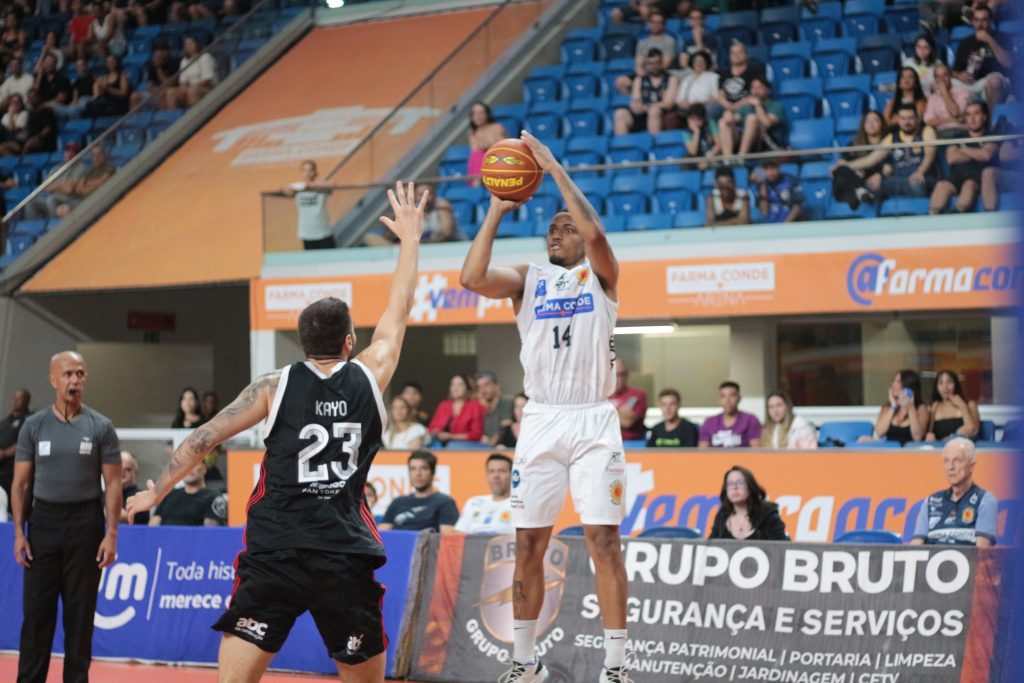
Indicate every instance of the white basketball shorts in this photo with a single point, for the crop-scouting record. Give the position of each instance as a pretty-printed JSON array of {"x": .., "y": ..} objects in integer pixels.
[{"x": 574, "y": 447}]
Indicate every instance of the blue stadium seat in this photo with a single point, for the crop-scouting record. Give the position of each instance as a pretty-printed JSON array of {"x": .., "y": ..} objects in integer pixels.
[
  {"x": 845, "y": 103},
  {"x": 542, "y": 88},
  {"x": 33, "y": 228},
  {"x": 579, "y": 49},
  {"x": 673, "y": 201},
  {"x": 458, "y": 153},
  {"x": 690, "y": 219},
  {"x": 987, "y": 431},
  {"x": 583, "y": 85},
  {"x": 811, "y": 133},
  {"x": 832, "y": 64},
  {"x": 618, "y": 46},
  {"x": 778, "y": 24},
  {"x": 671, "y": 532},
  {"x": 878, "y": 445},
  {"x": 613, "y": 223},
  {"x": 816, "y": 170},
  {"x": 741, "y": 173},
  {"x": 870, "y": 536},
  {"x": 631, "y": 155},
  {"x": 844, "y": 45},
  {"x": 541, "y": 208},
  {"x": 127, "y": 135},
  {"x": 640, "y": 141},
  {"x": 818, "y": 28},
  {"x": 559, "y": 107},
  {"x": 627, "y": 203},
  {"x": 464, "y": 211},
  {"x": 845, "y": 432},
  {"x": 678, "y": 180},
  {"x": 515, "y": 229},
  {"x": 861, "y": 25},
  {"x": 797, "y": 49},
  {"x": 650, "y": 221},
  {"x": 853, "y": 8},
  {"x": 452, "y": 168},
  {"x": 830, "y": 9},
  {"x": 784, "y": 68},
  {"x": 818, "y": 195},
  {"x": 586, "y": 123},
  {"x": 902, "y": 19},
  {"x": 36, "y": 159},
  {"x": 595, "y": 68},
  {"x": 18, "y": 243},
  {"x": 840, "y": 210},
  {"x": 883, "y": 80},
  {"x": 904, "y": 206},
  {"x": 1013, "y": 432},
  {"x": 801, "y": 86},
  {"x": 576, "y": 159},
  {"x": 28, "y": 174},
  {"x": 544, "y": 125},
  {"x": 800, "y": 106},
  {"x": 1013, "y": 112},
  {"x": 643, "y": 184},
  {"x": 859, "y": 82},
  {"x": 668, "y": 152},
  {"x": 597, "y": 144},
  {"x": 168, "y": 116}
]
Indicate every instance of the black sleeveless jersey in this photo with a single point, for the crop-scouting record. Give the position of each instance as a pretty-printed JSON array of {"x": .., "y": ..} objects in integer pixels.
[{"x": 321, "y": 437}]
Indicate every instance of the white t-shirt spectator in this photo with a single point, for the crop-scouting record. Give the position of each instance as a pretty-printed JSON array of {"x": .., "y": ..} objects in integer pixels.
[
  {"x": 16, "y": 85},
  {"x": 801, "y": 435},
  {"x": 15, "y": 123},
  {"x": 314, "y": 223},
  {"x": 407, "y": 439},
  {"x": 202, "y": 68},
  {"x": 484, "y": 515},
  {"x": 694, "y": 88}
]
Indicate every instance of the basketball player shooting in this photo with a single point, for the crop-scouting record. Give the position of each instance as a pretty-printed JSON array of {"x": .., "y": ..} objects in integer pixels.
[
  {"x": 311, "y": 542},
  {"x": 565, "y": 310}
]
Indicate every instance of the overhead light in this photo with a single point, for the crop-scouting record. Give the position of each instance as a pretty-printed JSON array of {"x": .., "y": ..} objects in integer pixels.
[
  {"x": 334, "y": 4},
  {"x": 646, "y": 329}
]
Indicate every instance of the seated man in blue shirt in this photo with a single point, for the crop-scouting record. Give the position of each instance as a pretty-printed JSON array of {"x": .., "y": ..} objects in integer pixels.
[
  {"x": 963, "y": 514},
  {"x": 425, "y": 507},
  {"x": 780, "y": 197}
]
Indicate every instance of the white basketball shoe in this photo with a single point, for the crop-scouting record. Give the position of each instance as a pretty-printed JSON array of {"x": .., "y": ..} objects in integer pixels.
[{"x": 532, "y": 672}]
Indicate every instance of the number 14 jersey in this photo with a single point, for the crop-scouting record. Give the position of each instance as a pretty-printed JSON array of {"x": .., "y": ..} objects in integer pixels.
[
  {"x": 321, "y": 436},
  {"x": 566, "y": 323}
]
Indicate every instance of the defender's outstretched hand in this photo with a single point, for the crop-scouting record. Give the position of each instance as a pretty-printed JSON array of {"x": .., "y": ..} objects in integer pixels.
[
  {"x": 545, "y": 159},
  {"x": 408, "y": 221}
]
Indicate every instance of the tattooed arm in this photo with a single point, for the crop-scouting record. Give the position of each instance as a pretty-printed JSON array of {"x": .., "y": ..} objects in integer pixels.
[
  {"x": 251, "y": 406},
  {"x": 584, "y": 217}
]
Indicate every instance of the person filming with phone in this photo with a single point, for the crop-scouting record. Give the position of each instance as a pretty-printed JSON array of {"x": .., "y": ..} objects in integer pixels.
[
  {"x": 904, "y": 417},
  {"x": 630, "y": 403}
]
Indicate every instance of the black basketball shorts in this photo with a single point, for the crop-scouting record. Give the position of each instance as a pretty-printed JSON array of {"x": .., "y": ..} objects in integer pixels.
[{"x": 340, "y": 592}]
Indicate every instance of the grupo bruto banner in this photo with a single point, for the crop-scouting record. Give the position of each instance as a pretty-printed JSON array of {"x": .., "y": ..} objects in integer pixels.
[
  {"x": 717, "y": 612},
  {"x": 821, "y": 494},
  {"x": 158, "y": 601}
]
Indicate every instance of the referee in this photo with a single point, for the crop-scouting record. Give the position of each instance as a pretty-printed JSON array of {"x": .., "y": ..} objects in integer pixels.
[{"x": 62, "y": 451}]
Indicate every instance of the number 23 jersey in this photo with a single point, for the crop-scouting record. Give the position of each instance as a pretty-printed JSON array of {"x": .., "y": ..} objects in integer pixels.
[
  {"x": 321, "y": 437},
  {"x": 566, "y": 323}
]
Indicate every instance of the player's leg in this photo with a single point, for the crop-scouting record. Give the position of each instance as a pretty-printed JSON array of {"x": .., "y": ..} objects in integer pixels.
[
  {"x": 240, "y": 661},
  {"x": 528, "y": 579},
  {"x": 370, "y": 671},
  {"x": 605, "y": 546}
]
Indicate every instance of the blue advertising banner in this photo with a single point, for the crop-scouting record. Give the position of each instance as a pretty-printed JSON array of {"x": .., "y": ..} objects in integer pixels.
[{"x": 170, "y": 584}]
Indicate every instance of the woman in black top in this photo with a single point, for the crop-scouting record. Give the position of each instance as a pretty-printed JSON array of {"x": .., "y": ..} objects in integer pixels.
[
  {"x": 111, "y": 91},
  {"x": 188, "y": 415},
  {"x": 509, "y": 434},
  {"x": 848, "y": 185},
  {"x": 905, "y": 417},
  {"x": 745, "y": 513},
  {"x": 952, "y": 413}
]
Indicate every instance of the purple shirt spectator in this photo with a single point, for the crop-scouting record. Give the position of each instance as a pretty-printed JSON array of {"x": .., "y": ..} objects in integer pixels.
[{"x": 738, "y": 435}]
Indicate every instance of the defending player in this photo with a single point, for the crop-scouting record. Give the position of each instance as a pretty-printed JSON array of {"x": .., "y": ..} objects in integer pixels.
[
  {"x": 311, "y": 543},
  {"x": 565, "y": 311}
]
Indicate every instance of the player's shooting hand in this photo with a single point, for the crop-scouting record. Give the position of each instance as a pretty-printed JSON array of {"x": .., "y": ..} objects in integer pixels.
[
  {"x": 545, "y": 159},
  {"x": 142, "y": 501},
  {"x": 408, "y": 221},
  {"x": 504, "y": 205}
]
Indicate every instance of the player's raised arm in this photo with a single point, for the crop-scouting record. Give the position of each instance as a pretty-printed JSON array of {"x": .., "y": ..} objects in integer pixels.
[
  {"x": 478, "y": 275},
  {"x": 251, "y": 407},
  {"x": 584, "y": 217},
  {"x": 381, "y": 356}
]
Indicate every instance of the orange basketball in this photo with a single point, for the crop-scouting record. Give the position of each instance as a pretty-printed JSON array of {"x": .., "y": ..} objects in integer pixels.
[{"x": 510, "y": 171}]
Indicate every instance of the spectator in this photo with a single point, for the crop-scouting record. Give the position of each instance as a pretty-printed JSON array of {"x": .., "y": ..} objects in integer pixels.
[
  {"x": 425, "y": 507},
  {"x": 53, "y": 86},
  {"x": 12, "y": 40},
  {"x": 923, "y": 61},
  {"x": 734, "y": 82},
  {"x": 981, "y": 61},
  {"x": 905, "y": 416},
  {"x": 111, "y": 92},
  {"x": 197, "y": 77},
  {"x": 41, "y": 127},
  {"x": 491, "y": 514},
  {"x": 509, "y": 436},
  {"x": 15, "y": 122},
  {"x": 746, "y": 513},
  {"x": 967, "y": 161},
  {"x": 907, "y": 171},
  {"x": 762, "y": 120},
  {"x": 412, "y": 392},
  {"x": 83, "y": 85},
  {"x": 497, "y": 406},
  {"x": 151, "y": 12},
  {"x": 403, "y": 432},
  {"x": 700, "y": 40},
  {"x": 1002, "y": 177},
  {"x": 656, "y": 39},
  {"x": 848, "y": 182},
  {"x": 673, "y": 431},
  {"x": 197, "y": 11},
  {"x": 79, "y": 31},
  {"x": 698, "y": 86},
  {"x": 439, "y": 223},
  {"x": 780, "y": 198},
  {"x": 952, "y": 413},
  {"x": 732, "y": 428},
  {"x": 629, "y": 403},
  {"x": 908, "y": 93},
  {"x": 192, "y": 504},
  {"x": 653, "y": 94},
  {"x": 458, "y": 417},
  {"x": 10, "y": 427},
  {"x": 484, "y": 131},
  {"x": 129, "y": 473},
  {"x": 17, "y": 83},
  {"x": 211, "y": 405},
  {"x": 641, "y": 10},
  {"x": 105, "y": 32},
  {"x": 370, "y": 494},
  {"x": 963, "y": 514},
  {"x": 783, "y": 428},
  {"x": 188, "y": 415},
  {"x": 45, "y": 206},
  {"x": 704, "y": 140},
  {"x": 727, "y": 204},
  {"x": 314, "y": 224},
  {"x": 51, "y": 48},
  {"x": 159, "y": 71},
  {"x": 947, "y": 104},
  {"x": 100, "y": 171}
]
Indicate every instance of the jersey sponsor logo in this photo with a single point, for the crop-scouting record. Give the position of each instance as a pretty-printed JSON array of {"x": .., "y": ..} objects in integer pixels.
[
  {"x": 517, "y": 478},
  {"x": 542, "y": 288},
  {"x": 582, "y": 275},
  {"x": 616, "y": 491},
  {"x": 933, "y": 521},
  {"x": 872, "y": 275},
  {"x": 720, "y": 277},
  {"x": 564, "y": 308},
  {"x": 44, "y": 448},
  {"x": 355, "y": 643},
  {"x": 974, "y": 499},
  {"x": 85, "y": 447},
  {"x": 967, "y": 516},
  {"x": 251, "y": 627}
]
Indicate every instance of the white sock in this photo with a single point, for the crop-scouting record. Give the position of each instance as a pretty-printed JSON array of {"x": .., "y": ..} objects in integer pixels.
[
  {"x": 614, "y": 647},
  {"x": 524, "y": 632}
]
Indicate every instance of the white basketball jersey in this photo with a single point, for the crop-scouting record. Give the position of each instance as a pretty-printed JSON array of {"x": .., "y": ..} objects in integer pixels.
[{"x": 567, "y": 324}]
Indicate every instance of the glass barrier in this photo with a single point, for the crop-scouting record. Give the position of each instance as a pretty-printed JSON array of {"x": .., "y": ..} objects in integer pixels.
[
  {"x": 687, "y": 192},
  {"x": 89, "y": 139}
]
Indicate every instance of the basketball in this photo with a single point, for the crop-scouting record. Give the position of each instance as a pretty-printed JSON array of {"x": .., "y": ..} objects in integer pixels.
[{"x": 509, "y": 170}]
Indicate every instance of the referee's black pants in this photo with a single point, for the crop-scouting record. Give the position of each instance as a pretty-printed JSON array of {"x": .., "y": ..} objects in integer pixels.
[{"x": 64, "y": 539}]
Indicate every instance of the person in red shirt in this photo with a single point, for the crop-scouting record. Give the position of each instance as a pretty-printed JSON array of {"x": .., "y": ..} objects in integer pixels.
[
  {"x": 630, "y": 403},
  {"x": 458, "y": 417},
  {"x": 79, "y": 30}
]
